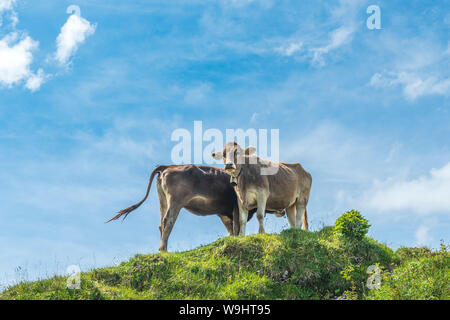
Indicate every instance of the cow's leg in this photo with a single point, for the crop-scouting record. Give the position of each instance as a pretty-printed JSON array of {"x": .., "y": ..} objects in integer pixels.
[
  {"x": 291, "y": 213},
  {"x": 236, "y": 221},
  {"x": 228, "y": 224},
  {"x": 301, "y": 214},
  {"x": 243, "y": 216},
  {"x": 167, "y": 224},
  {"x": 162, "y": 204},
  {"x": 261, "y": 211}
]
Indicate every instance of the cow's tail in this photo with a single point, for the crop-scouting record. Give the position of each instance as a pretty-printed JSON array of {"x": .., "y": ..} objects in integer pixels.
[
  {"x": 127, "y": 211},
  {"x": 305, "y": 221},
  {"x": 305, "y": 214}
]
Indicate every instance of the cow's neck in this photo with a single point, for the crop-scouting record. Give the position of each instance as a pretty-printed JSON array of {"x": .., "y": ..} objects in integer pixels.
[
  {"x": 239, "y": 184},
  {"x": 234, "y": 177},
  {"x": 239, "y": 193}
]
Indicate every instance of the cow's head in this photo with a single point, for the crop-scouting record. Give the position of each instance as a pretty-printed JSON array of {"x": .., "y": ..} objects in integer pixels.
[{"x": 233, "y": 156}]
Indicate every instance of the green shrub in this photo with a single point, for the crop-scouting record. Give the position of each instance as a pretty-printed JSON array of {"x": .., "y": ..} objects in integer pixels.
[
  {"x": 351, "y": 225},
  {"x": 412, "y": 253},
  {"x": 424, "y": 278}
]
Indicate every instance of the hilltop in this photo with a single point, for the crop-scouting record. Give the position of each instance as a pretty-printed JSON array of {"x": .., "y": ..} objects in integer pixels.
[{"x": 291, "y": 265}]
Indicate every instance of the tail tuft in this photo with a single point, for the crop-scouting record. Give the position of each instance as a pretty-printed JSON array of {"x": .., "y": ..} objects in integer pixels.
[{"x": 127, "y": 211}]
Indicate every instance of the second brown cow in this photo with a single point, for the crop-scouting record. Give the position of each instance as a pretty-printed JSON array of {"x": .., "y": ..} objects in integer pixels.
[{"x": 266, "y": 185}]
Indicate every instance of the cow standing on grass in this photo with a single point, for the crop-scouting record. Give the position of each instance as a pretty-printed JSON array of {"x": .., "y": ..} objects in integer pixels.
[
  {"x": 202, "y": 190},
  {"x": 266, "y": 185}
]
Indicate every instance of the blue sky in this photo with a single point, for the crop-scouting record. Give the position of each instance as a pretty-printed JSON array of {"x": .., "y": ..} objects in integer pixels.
[{"x": 88, "y": 103}]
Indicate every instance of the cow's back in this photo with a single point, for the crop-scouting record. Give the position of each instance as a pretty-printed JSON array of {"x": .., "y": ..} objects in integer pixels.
[
  {"x": 287, "y": 184},
  {"x": 203, "y": 190},
  {"x": 304, "y": 179}
]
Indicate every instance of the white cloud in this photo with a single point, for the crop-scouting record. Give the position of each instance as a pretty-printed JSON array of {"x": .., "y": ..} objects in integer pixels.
[
  {"x": 35, "y": 81},
  {"x": 17, "y": 48},
  {"x": 423, "y": 195},
  {"x": 257, "y": 116},
  {"x": 422, "y": 236},
  {"x": 338, "y": 38},
  {"x": 413, "y": 85},
  {"x": 15, "y": 59},
  {"x": 6, "y": 5},
  {"x": 16, "y": 54},
  {"x": 308, "y": 39},
  {"x": 290, "y": 49},
  {"x": 415, "y": 66},
  {"x": 345, "y": 14},
  {"x": 73, "y": 33}
]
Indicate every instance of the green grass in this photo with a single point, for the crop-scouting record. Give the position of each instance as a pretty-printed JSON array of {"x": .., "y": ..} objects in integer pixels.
[
  {"x": 423, "y": 275},
  {"x": 291, "y": 265}
]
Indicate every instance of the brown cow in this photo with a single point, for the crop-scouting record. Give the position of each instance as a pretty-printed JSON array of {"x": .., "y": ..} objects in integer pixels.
[
  {"x": 266, "y": 185},
  {"x": 202, "y": 190}
]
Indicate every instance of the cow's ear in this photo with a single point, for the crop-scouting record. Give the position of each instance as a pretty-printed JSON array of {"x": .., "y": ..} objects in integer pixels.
[
  {"x": 217, "y": 155},
  {"x": 249, "y": 151}
]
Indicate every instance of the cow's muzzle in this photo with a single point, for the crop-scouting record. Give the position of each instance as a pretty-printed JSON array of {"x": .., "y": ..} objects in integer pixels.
[{"x": 230, "y": 167}]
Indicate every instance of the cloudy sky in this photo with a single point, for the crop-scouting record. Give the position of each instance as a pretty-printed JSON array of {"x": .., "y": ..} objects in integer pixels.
[{"x": 91, "y": 91}]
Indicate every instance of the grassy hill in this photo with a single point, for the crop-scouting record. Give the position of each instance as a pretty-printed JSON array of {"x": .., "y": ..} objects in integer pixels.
[{"x": 291, "y": 265}]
